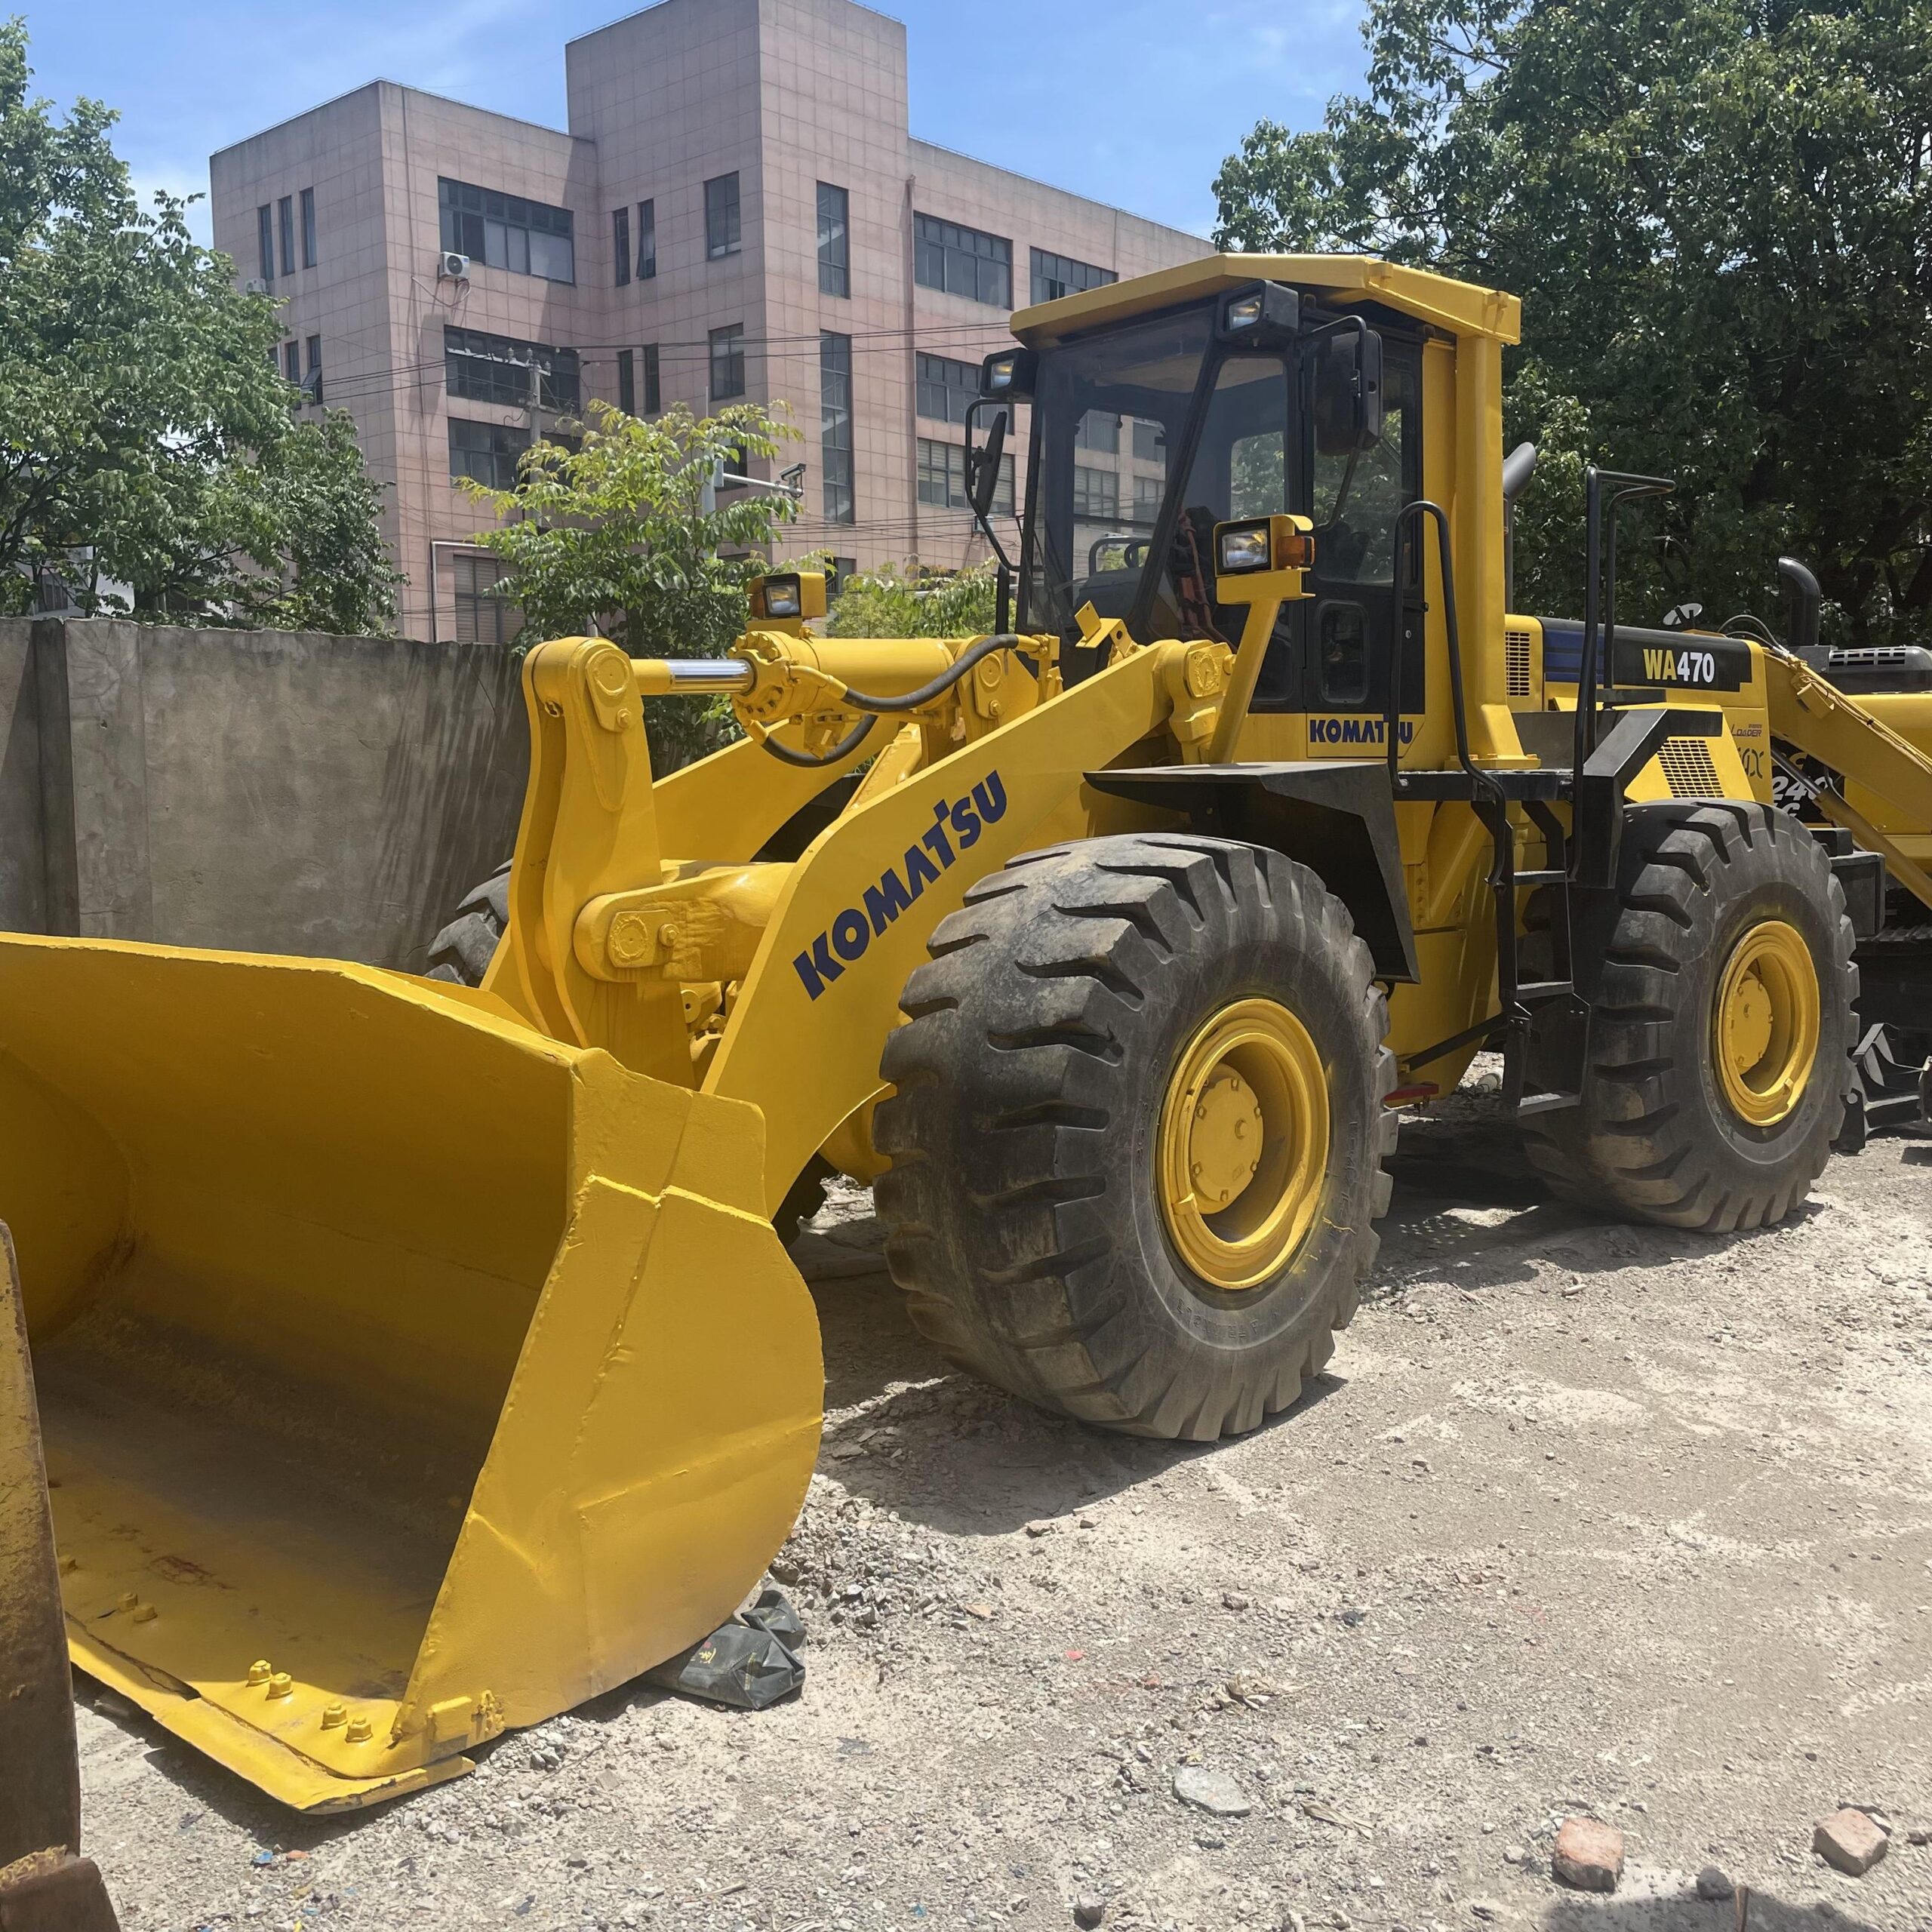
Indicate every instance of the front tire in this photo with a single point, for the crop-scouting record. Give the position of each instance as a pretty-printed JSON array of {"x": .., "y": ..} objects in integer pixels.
[
  {"x": 1138, "y": 1132},
  {"x": 1721, "y": 1042}
]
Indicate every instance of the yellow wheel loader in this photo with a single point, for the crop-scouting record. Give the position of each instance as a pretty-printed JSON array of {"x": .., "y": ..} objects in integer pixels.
[{"x": 416, "y": 1359}]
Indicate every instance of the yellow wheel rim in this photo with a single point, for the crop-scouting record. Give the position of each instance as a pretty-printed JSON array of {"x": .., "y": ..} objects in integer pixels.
[
  {"x": 1764, "y": 1025},
  {"x": 1243, "y": 1144}
]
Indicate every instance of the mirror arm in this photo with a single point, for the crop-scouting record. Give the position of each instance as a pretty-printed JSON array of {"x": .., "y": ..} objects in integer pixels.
[{"x": 980, "y": 517}]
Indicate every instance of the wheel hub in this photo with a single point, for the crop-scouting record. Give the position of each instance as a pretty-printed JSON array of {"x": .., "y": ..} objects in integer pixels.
[
  {"x": 1224, "y": 1143},
  {"x": 1766, "y": 1023},
  {"x": 1243, "y": 1148}
]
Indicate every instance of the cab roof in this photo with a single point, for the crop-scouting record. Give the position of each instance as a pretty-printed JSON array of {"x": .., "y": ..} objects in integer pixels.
[{"x": 1461, "y": 307}]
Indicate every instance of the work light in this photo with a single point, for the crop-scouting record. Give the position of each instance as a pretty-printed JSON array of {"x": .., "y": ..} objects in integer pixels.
[
  {"x": 1008, "y": 374},
  {"x": 784, "y": 596},
  {"x": 1244, "y": 546}
]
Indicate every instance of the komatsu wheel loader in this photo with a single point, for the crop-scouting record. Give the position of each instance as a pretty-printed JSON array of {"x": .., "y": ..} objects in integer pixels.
[{"x": 417, "y": 1360}]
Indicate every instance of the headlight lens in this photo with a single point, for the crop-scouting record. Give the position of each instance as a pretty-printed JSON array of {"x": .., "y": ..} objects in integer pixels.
[
  {"x": 999, "y": 376},
  {"x": 1243, "y": 312},
  {"x": 783, "y": 597},
  {"x": 1244, "y": 546}
]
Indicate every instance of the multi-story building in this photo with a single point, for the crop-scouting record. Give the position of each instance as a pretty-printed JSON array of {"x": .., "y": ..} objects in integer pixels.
[{"x": 738, "y": 211}]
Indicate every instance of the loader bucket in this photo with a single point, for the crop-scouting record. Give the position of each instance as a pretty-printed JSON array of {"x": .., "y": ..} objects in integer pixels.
[{"x": 405, "y": 1375}]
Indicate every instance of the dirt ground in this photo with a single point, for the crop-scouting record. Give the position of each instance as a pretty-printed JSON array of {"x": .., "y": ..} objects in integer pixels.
[{"x": 1585, "y": 1518}]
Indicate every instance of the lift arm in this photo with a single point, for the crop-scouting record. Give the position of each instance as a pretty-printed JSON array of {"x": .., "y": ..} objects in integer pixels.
[{"x": 1817, "y": 718}]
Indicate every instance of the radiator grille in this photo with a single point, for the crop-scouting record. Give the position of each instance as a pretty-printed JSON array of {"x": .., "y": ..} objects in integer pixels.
[
  {"x": 1516, "y": 662},
  {"x": 1689, "y": 769}
]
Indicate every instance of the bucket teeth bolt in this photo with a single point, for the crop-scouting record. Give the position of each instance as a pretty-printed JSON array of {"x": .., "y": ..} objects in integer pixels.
[
  {"x": 127, "y": 1599},
  {"x": 145, "y": 1613},
  {"x": 259, "y": 1673},
  {"x": 333, "y": 1715},
  {"x": 360, "y": 1731},
  {"x": 282, "y": 1684},
  {"x": 68, "y": 1564}
]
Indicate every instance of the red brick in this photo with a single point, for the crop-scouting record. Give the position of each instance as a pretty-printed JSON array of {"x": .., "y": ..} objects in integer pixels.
[
  {"x": 1589, "y": 1855},
  {"x": 1850, "y": 1840}
]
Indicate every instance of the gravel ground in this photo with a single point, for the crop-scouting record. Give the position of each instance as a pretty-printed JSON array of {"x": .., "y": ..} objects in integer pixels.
[{"x": 1584, "y": 1519}]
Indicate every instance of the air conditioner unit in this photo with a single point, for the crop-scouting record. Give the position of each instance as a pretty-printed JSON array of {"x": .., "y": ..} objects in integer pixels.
[
  {"x": 254, "y": 285},
  {"x": 453, "y": 267}
]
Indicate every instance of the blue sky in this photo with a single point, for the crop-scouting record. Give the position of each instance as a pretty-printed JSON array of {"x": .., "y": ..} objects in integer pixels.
[{"x": 1134, "y": 102}]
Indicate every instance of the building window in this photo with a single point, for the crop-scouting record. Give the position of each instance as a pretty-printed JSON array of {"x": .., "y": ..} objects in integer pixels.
[
  {"x": 308, "y": 228},
  {"x": 620, "y": 244},
  {"x": 839, "y": 573},
  {"x": 312, "y": 379},
  {"x": 506, "y": 232},
  {"x": 1098, "y": 430},
  {"x": 835, "y": 257},
  {"x": 497, "y": 368},
  {"x": 721, "y": 217},
  {"x": 265, "y": 239},
  {"x": 943, "y": 478},
  {"x": 728, "y": 362},
  {"x": 291, "y": 360},
  {"x": 1096, "y": 493},
  {"x": 483, "y": 612},
  {"x": 1055, "y": 275},
  {"x": 944, "y": 388},
  {"x": 654, "y": 400},
  {"x": 646, "y": 240},
  {"x": 835, "y": 424},
  {"x": 626, "y": 382},
  {"x": 1147, "y": 498},
  {"x": 962, "y": 261},
  {"x": 1150, "y": 441},
  {"x": 285, "y": 218},
  {"x": 488, "y": 451}
]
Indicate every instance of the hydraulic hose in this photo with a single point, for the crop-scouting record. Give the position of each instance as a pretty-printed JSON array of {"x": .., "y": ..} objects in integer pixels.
[
  {"x": 805, "y": 762},
  {"x": 875, "y": 707},
  {"x": 911, "y": 701}
]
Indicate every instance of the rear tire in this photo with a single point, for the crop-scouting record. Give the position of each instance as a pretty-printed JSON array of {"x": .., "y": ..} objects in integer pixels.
[
  {"x": 1662, "y": 1132},
  {"x": 1049, "y": 1061},
  {"x": 462, "y": 952}
]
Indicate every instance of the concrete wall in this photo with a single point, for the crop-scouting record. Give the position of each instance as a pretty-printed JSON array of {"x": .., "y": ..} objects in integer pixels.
[{"x": 269, "y": 791}]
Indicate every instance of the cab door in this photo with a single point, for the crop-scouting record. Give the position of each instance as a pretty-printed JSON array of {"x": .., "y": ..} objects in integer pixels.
[{"x": 1346, "y": 633}]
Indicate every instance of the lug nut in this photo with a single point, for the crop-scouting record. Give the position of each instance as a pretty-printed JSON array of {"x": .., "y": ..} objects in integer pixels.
[
  {"x": 127, "y": 1599},
  {"x": 258, "y": 1671},
  {"x": 68, "y": 1564},
  {"x": 360, "y": 1731},
  {"x": 281, "y": 1684},
  {"x": 333, "y": 1715},
  {"x": 146, "y": 1612}
]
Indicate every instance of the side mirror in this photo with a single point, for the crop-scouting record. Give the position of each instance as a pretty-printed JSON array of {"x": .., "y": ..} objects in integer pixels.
[
  {"x": 1347, "y": 392},
  {"x": 982, "y": 467}
]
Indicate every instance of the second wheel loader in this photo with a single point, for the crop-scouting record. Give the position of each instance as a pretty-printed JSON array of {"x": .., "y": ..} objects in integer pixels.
[{"x": 417, "y": 1359}]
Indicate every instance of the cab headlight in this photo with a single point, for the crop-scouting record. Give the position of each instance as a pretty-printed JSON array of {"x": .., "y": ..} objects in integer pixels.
[
  {"x": 1244, "y": 546},
  {"x": 784, "y": 596}
]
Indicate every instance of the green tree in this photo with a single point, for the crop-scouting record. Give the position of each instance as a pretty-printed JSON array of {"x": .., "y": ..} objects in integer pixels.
[
  {"x": 1718, "y": 214},
  {"x": 613, "y": 536},
  {"x": 145, "y": 436},
  {"x": 892, "y": 602}
]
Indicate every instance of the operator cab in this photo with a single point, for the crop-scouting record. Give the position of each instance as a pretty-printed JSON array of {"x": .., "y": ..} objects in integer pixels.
[{"x": 1147, "y": 432}]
